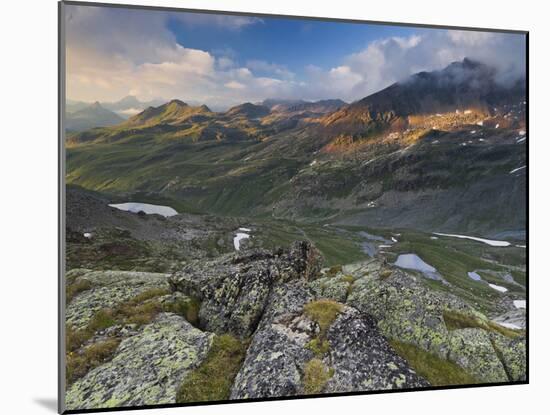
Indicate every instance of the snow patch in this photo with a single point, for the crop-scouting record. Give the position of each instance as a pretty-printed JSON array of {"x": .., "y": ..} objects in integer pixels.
[
  {"x": 238, "y": 238},
  {"x": 498, "y": 288},
  {"x": 509, "y": 325},
  {"x": 518, "y": 169},
  {"x": 473, "y": 238},
  {"x": 147, "y": 208},
  {"x": 520, "y": 303}
]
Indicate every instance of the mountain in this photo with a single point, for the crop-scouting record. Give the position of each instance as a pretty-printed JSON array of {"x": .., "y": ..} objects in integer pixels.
[
  {"x": 130, "y": 105},
  {"x": 125, "y": 107},
  {"x": 248, "y": 110},
  {"x": 175, "y": 112},
  {"x": 177, "y": 119},
  {"x": 90, "y": 117},
  {"x": 73, "y": 106},
  {"x": 272, "y": 103},
  {"x": 461, "y": 86},
  {"x": 321, "y": 106},
  {"x": 445, "y": 157}
]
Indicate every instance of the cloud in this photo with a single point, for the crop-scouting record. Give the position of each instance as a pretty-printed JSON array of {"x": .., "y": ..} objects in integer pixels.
[
  {"x": 224, "y": 21},
  {"x": 261, "y": 66},
  {"x": 389, "y": 60},
  {"x": 112, "y": 53}
]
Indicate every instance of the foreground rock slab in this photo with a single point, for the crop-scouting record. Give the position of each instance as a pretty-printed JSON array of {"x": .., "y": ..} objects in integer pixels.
[
  {"x": 107, "y": 290},
  {"x": 147, "y": 368}
]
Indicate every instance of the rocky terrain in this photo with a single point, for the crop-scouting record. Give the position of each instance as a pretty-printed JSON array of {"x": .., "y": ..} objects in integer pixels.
[
  {"x": 289, "y": 248},
  {"x": 146, "y": 338}
]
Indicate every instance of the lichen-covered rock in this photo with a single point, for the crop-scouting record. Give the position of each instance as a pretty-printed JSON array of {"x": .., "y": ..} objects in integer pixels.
[
  {"x": 358, "y": 356},
  {"x": 234, "y": 289},
  {"x": 407, "y": 311},
  {"x": 513, "y": 355},
  {"x": 363, "y": 360},
  {"x": 277, "y": 354},
  {"x": 335, "y": 288},
  {"x": 472, "y": 349},
  {"x": 404, "y": 309},
  {"x": 108, "y": 289},
  {"x": 147, "y": 368}
]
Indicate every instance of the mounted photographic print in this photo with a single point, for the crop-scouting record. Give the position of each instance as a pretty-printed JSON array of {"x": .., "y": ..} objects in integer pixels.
[{"x": 256, "y": 207}]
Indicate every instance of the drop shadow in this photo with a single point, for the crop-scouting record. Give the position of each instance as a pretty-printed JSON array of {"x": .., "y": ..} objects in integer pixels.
[{"x": 48, "y": 403}]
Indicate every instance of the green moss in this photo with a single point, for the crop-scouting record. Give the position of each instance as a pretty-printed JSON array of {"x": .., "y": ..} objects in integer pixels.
[
  {"x": 455, "y": 320},
  {"x": 212, "y": 380},
  {"x": 103, "y": 319},
  {"x": 316, "y": 376},
  {"x": 188, "y": 308},
  {"x": 76, "y": 288},
  {"x": 348, "y": 278},
  {"x": 437, "y": 371},
  {"x": 333, "y": 271},
  {"x": 140, "y": 310},
  {"x": 148, "y": 295},
  {"x": 94, "y": 355},
  {"x": 318, "y": 346},
  {"x": 323, "y": 312}
]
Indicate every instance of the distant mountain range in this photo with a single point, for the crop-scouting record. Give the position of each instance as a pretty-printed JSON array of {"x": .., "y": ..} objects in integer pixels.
[
  {"x": 441, "y": 150},
  {"x": 179, "y": 119},
  {"x": 91, "y": 116}
]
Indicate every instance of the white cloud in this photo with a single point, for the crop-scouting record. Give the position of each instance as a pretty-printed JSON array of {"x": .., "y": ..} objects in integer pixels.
[
  {"x": 219, "y": 20},
  {"x": 111, "y": 54},
  {"x": 234, "y": 85},
  {"x": 389, "y": 60},
  {"x": 261, "y": 66}
]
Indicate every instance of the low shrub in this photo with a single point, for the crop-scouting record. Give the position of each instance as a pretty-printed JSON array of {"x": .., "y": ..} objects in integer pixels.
[
  {"x": 323, "y": 312},
  {"x": 316, "y": 376},
  {"x": 437, "y": 371},
  {"x": 213, "y": 379},
  {"x": 92, "y": 356},
  {"x": 318, "y": 346},
  {"x": 72, "y": 290}
]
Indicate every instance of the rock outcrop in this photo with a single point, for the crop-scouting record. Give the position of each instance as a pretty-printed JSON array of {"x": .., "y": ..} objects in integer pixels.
[
  {"x": 306, "y": 330},
  {"x": 409, "y": 312},
  {"x": 107, "y": 289},
  {"x": 147, "y": 369},
  {"x": 234, "y": 289},
  {"x": 363, "y": 360}
]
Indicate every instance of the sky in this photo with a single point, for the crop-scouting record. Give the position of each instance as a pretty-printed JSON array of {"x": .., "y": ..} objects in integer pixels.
[{"x": 225, "y": 60}]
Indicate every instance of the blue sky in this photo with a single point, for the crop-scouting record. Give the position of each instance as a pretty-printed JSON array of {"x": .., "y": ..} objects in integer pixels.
[
  {"x": 224, "y": 60},
  {"x": 292, "y": 42}
]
